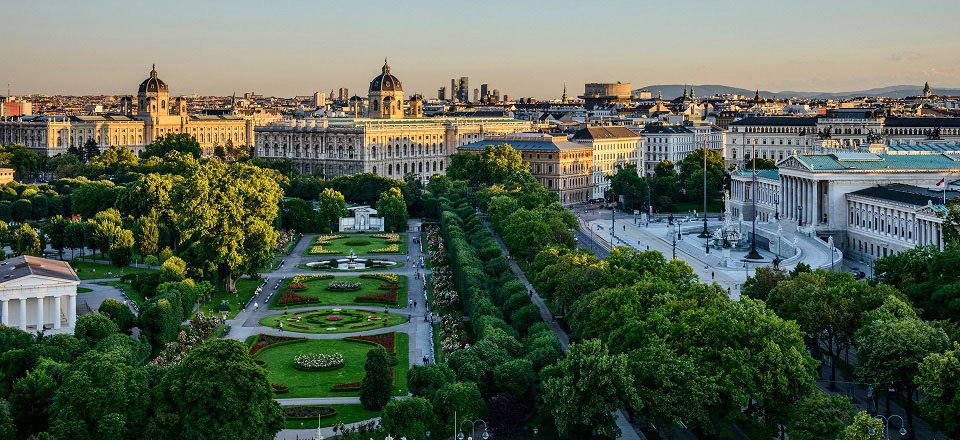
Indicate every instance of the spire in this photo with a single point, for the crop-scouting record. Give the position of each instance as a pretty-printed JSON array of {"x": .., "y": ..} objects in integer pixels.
[
  {"x": 153, "y": 71},
  {"x": 386, "y": 68},
  {"x": 684, "y": 90},
  {"x": 564, "y": 97}
]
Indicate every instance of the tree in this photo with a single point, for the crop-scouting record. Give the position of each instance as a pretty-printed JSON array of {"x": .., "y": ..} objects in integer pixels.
[
  {"x": 330, "y": 208},
  {"x": 393, "y": 210},
  {"x": 7, "y": 427},
  {"x": 76, "y": 234},
  {"x": 56, "y": 231},
  {"x": 939, "y": 380},
  {"x": 410, "y": 418},
  {"x": 462, "y": 398},
  {"x": 515, "y": 377},
  {"x": 585, "y": 388},
  {"x": 148, "y": 196},
  {"x": 24, "y": 162},
  {"x": 90, "y": 150},
  {"x": 666, "y": 185},
  {"x": 21, "y": 210},
  {"x": 217, "y": 391},
  {"x": 91, "y": 197},
  {"x": 26, "y": 241},
  {"x": 107, "y": 225},
  {"x": 820, "y": 417},
  {"x": 864, "y": 427},
  {"x": 376, "y": 389},
  {"x": 160, "y": 320},
  {"x": 762, "y": 282},
  {"x": 102, "y": 396},
  {"x": 148, "y": 235},
  {"x": 31, "y": 398},
  {"x": 500, "y": 161},
  {"x": 173, "y": 270},
  {"x": 119, "y": 313},
  {"x": 121, "y": 249},
  {"x": 628, "y": 183},
  {"x": 299, "y": 215},
  {"x": 911, "y": 340},
  {"x": 425, "y": 380},
  {"x": 227, "y": 213},
  {"x": 180, "y": 142},
  {"x": 114, "y": 160},
  {"x": 94, "y": 327}
]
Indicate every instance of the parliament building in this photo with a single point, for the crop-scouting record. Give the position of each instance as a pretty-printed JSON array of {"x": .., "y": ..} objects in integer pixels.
[{"x": 391, "y": 138}]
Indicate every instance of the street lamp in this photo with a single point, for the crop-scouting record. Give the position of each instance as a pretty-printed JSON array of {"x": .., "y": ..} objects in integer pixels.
[
  {"x": 705, "y": 233},
  {"x": 753, "y": 254},
  {"x": 886, "y": 426},
  {"x": 674, "y": 244},
  {"x": 473, "y": 430},
  {"x": 779, "y": 239}
]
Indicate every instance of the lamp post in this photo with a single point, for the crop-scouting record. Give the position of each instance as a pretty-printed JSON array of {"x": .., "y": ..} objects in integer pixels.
[
  {"x": 753, "y": 254},
  {"x": 704, "y": 233},
  {"x": 473, "y": 430},
  {"x": 779, "y": 239},
  {"x": 886, "y": 426},
  {"x": 674, "y": 245}
]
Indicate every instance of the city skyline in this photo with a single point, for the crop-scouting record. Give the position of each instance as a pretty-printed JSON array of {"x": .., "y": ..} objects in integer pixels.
[{"x": 297, "y": 48}]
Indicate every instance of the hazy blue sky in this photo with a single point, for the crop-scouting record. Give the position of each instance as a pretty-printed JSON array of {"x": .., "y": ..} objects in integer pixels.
[{"x": 523, "y": 48}]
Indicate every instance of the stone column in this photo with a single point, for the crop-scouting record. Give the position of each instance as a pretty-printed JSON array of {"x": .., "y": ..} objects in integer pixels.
[
  {"x": 56, "y": 312},
  {"x": 40, "y": 318},
  {"x": 23, "y": 313},
  {"x": 72, "y": 311},
  {"x": 5, "y": 312}
]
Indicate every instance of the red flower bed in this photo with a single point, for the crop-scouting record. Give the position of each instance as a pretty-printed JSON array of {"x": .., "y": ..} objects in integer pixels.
[
  {"x": 297, "y": 286},
  {"x": 383, "y": 298},
  {"x": 289, "y": 297},
  {"x": 385, "y": 340},
  {"x": 334, "y": 318},
  {"x": 264, "y": 341},
  {"x": 346, "y": 387}
]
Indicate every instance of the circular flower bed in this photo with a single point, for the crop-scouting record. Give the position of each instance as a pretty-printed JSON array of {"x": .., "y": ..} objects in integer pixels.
[
  {"x": 343, "y": 286},
  {"x": 334, "y": 318},
  {"x": 318, "y": 362}
]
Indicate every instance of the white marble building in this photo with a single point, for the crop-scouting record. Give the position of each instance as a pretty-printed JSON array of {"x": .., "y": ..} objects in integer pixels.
[{"x": 37, "y": 294}]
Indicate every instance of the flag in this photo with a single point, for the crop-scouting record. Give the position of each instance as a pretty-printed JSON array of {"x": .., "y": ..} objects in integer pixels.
[{"x": 942, "y": 179}]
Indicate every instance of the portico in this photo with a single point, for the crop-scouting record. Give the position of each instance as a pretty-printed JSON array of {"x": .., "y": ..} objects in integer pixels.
[{"x": 37, "y": 294}]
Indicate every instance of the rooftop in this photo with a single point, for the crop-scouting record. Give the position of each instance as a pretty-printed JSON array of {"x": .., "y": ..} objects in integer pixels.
[
  {"x": 773, "y": 174},
  {"x": 777, "y": 120},
  {"x": 604, "y": 132},
  {"x": 24, "y": 265},
  {"x": 908, "y": 194},
  {"x": 869, "y": 161},
  {"x": 527, "y": 142}
]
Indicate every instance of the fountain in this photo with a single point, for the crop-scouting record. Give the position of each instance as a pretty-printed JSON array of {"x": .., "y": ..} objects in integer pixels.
[{"x": 351, "y": 260}]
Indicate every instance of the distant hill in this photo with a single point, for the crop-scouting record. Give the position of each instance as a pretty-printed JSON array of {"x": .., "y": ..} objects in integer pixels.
[{"x": 670, "y": 91}]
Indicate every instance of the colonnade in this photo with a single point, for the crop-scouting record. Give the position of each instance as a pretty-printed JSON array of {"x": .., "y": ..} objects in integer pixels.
[
  {"x": 47, "y": 309},
  {"x": 801, "y": 199}
]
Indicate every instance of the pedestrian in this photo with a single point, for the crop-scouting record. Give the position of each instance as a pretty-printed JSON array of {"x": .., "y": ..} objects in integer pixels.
[
  {"x": 713, "y": 275},
  {"x": 280, "y": 326},
  {"x": 256, "y": 305},
  {"x": 409, "y": 303},
  {"x": 414, "y": 304}
]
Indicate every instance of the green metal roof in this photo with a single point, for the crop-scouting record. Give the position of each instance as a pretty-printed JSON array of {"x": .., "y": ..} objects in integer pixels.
[
  {"x": 761, "y": 174},
  {"x": 868, "y": 161}
]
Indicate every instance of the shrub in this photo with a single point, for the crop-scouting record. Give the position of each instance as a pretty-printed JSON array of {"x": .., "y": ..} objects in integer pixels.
[
  {"x": 279, "y": 388},
  {"x": 357, "y": 242},
  {"x": 343, "y": 286},
  {"x": 346, "y": 387},
  {"x": 308, "y": 412},
  {"x": 263, "y": 341}
]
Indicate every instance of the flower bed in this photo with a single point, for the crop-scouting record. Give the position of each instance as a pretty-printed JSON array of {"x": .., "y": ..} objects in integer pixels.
[
  {"x": 386, "y": 340},
  {"x": 297, "y": 286},
  {"x": 303, "y": 279},
  {"x": 387, "y": 277},
  {"x": 318, "y": 362},
  {"x": 263, "y": 341},
  {"x": 334, "y": 318},
  {"x": 391, "y": 238},
  {"x": 344, "y": 286},
  {"x": 346, "y": 387},
  {"x": 389, "y": 298},
  {"x": 320, "y": 250},
  {"x": 326, "y": 239},
  {"x": 308, "y": 412},
  {"x": 289, "y": 297},
  {"x": 390, "y": 249}
]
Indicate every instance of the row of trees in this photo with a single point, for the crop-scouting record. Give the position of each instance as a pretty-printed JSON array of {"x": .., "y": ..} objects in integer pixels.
[{"x": 97, "y": 385}]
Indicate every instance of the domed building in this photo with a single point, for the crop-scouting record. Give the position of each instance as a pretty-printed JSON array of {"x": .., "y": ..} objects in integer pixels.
[
  {"x": 385, "y": 97},
  {"x": 153, "y": 96}
]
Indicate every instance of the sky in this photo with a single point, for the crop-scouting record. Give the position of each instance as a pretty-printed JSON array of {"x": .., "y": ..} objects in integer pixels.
[{"x": 521, "y": 47}]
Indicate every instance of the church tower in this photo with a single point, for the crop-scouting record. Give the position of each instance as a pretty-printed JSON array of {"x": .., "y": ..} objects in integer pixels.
[
  {"x": 927, "y": 91},
  {"x": 385, "y": 97}
]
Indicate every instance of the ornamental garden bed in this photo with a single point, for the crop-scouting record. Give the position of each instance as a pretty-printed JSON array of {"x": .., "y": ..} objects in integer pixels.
[
  {"x": 389, "y": 290},
  {"x": 278, "y": 360},
  {"x": 344, "y": 413},
  {"x": 333, "y": 320},
  {"x": 375, "y": 244}
]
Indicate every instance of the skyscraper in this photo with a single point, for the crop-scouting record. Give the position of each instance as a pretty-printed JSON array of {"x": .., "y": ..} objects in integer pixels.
[
  {"x": 442, "y": 94},
  {"x": 460, "y": 89},
  {"x": 476, "y": 95},
  {"x": 344, "y": 94},
  {"x": 484, "y": 90}
]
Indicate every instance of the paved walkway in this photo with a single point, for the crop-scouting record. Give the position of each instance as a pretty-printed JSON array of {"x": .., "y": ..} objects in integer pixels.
[
  {"x": 626, "y": 430},
  {"x": 247, "y": 321}
]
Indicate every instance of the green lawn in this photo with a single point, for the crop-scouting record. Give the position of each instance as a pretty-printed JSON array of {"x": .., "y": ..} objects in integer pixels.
[
  {"x": 318, "y": 289},
  {"x": 88, "y": 271},
  {"x": 359, "y": 244},
  {"x": 245, "y": 289},
  {"x": 346, "y": 414},
  {"x": 316, "y": 321},
  {"x": 279, "y": 365}
]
